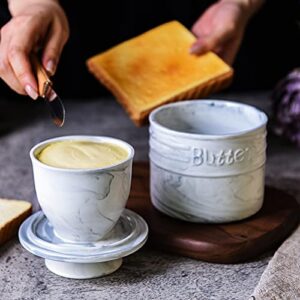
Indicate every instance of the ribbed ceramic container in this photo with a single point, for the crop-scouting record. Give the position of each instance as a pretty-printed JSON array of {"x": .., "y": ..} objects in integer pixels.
[{"x": 207, "y": 160}]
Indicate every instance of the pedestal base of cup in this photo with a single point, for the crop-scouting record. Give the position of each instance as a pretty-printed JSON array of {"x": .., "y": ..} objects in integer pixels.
[
  {"x": 83, "y": 270},
  {"x": 88, "y": 260}
]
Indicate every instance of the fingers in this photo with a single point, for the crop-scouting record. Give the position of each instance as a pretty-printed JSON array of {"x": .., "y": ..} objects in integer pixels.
[
  {"x": 219, "y": 29},
  {"x": 229, "y": 50},
  {"x": 226, "y": 49},
  {"x": 8, "y": 76},
  {"x": 223, "y": 42},
  {"x": 15, "y": 67},
  {"x": 53, "y": 47},
  {"x": 227, "y": 55},
  {"x": 19, "y": 61},
  {"x": 40, "y": 24}
]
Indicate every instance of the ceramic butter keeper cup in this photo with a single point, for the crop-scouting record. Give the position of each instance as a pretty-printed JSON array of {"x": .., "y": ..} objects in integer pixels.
[
  {"x": 82, "y": 205},
  {"x": 207, "y": 160}
]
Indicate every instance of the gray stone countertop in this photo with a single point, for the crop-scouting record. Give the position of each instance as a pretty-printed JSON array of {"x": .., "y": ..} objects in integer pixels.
[{"x": 147, "y": 274}]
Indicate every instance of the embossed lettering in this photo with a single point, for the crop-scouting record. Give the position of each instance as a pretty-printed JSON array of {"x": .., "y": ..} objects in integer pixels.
[
  {"x": 229, "y": 157},
  {"x": 197, "y": 157},
  {"x": 210, "y": 158},
  {"x": 220, "y": 158},
  {"x": 202, "y": 156},
  {"x": 239, "y": 154}
]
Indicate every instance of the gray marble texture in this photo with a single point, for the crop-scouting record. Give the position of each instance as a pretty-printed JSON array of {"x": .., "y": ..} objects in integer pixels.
[
  {"x": 82, "y": 205},
  {"x": 147, "y": 274},
  {"x": 190, "y": 177}
]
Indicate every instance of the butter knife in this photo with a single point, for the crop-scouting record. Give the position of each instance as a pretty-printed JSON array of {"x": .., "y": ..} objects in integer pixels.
[{"x": 46, "y": 91}]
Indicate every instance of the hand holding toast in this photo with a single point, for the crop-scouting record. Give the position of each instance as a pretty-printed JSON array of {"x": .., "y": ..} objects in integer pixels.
[{"x": 221, "y": 27}]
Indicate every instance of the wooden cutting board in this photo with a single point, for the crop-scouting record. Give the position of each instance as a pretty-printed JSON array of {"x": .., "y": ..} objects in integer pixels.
[{"x": 219, "y": 243}]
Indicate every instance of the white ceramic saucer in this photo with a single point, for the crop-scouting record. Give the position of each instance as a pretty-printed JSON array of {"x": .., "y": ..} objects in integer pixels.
[{"x": 84, "y": 260}]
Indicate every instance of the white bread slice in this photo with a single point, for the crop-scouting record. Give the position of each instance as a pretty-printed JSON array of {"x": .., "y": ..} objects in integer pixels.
[{"x": 12, "y": 214}]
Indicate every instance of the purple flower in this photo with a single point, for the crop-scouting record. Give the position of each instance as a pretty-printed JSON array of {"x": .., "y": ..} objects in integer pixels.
[{"x": 286, "y": 107}]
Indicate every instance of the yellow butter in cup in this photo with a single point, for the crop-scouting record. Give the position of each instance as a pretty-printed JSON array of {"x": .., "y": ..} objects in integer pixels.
[{"x": 81, "y": 154}]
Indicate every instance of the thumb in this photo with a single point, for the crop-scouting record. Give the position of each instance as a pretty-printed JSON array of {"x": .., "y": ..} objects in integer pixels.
[
  {"x": 200, "y": 46},
  {"x": 210, "y": 42}
]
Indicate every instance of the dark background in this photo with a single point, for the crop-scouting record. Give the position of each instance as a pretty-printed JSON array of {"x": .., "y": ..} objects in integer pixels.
[{"x": 270, "y": 49}]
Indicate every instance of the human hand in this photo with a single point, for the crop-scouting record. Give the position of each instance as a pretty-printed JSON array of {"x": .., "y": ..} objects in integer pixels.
[
  {"x": 221, "y": 27},
  {"x": 35, "y": 24}
]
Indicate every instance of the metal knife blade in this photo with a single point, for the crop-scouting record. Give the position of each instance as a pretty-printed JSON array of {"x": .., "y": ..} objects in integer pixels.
[
  {"x": 45, "y": 89},
  {"x": 55, "y": 105}
]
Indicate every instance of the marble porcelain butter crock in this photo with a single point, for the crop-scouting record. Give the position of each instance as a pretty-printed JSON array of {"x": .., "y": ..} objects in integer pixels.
[
  {"x": 82, "y": 205},
  {"x": 207, "y": 160}
]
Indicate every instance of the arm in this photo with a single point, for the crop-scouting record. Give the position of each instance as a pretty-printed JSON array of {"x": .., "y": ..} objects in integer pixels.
[
  {"x": 221, "y": 27},
  {"x": 35, "y": 24}
]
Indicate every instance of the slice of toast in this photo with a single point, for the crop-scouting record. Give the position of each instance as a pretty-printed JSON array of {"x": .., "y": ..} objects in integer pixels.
[
  {"x": 12, "y": 214},
  {"x": 156, "y": 68}
]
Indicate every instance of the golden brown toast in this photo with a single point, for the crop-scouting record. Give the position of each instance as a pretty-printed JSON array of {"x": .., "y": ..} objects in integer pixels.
[
  {"x": 156, "y": 68},
  {"x": 12, "y": 214}
]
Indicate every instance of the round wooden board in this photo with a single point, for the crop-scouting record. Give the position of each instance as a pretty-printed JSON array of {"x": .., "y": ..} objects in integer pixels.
[{"x": 220, "y": 243}]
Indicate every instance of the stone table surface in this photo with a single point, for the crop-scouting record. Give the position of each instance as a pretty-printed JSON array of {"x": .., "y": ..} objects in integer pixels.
[{"x": 147, "y": 274}]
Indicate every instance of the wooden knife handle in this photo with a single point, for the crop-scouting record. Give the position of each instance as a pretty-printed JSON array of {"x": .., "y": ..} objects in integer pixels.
[{"x": 41, "y": 76}]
